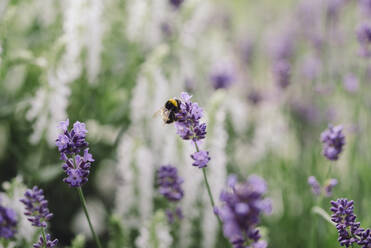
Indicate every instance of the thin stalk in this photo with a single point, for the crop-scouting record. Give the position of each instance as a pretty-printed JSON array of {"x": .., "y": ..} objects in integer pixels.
[
  {"x": 5, "y": 242},
  {"x": 83, "y": 202},
  {"x": 208, "y": 187},
  {"x": 44, "y": 236},
  {"x": 329, "y": 171}
]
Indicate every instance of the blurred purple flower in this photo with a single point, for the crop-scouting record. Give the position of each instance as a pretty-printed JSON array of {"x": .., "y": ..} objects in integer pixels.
[
  {"x": 283, "y": 47},
  {"x": 70, "y": 144},
  {"x": 306, "y": 112},
  {"x": 351, "y": 83},
  {"x": 8, "y": 222},
  {"x": 246, "y": 49},
  {"x": 311, "y": 67},
  {"x": 333, "y": 141},
  {"x": 282, "y": 73},
  {"x": 331, "y": 183},
  {"x": 189, "y": 84},
  {"x": 364, "y": 39},
  {"x": 240, "y": 213},
  {"x": 49, "y": 243},
  {"x": 36, "y": 207},
  {"x": 254, "y": 97},
  {"x": 173, "y": 215},
  {"x": 169, "y": 183},
  {"x": 176, "y": 3},
  {"x": 222, "y": 75},
  {"x": 365, "y": 6},
  {"x": 333, "y": 9},
  {"x": 201, "y": 159},
  {"x": 166, "y": 29},
  {"x": 316, "y": 188}
]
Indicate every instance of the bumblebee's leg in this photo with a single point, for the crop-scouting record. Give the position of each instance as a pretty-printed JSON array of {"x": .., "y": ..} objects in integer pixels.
[{"x": 171, "y": 118}]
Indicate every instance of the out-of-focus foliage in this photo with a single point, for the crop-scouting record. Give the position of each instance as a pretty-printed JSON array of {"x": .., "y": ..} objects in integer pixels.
[{"x": 270, "y": 76}]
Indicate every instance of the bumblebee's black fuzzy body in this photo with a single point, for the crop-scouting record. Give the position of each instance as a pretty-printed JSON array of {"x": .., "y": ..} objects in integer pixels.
[{"x": 172, "y": 106}]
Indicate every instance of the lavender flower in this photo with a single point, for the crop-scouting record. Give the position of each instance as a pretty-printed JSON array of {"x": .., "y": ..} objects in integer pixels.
[
  {"x": 364, "y": 39},
  {"x": 170, "y": 183},
  {"x": 172, "y": 215},
  {"x": 49, "y": 243},
  {"x": 351, "y": 83},
  {"x": 247, "y": 49},
  {"x": 77, "y": 169},
  {"x": 333, "y": 9},
  {"x": 345, "y": 220},
  {"x": 170, "y": 187},
  {"x": 240, "y": 214},
  {"x": 365, "y": 6},
  {"x": 189, "y": 127},
  {"x": 8, "y": 222},
  {"x": 222, "y": 76},
  {"x": 36, "y": 207},
  {"x": 38, "y": 214},
  {"x": 333, "y": 142},
  {"x": 254, "y": 97},
  {"x": 282, "y": 73},
  {"x": 331, "y": 183},
  {"x": 201, "y": 159},
  {"x": 349, "y": 229},
  {"x": 283, "y": 47},
  {"x": 176, "y": 3},
  {"x": 316, "y": 188},
  {"x": 70, "y": 144}
]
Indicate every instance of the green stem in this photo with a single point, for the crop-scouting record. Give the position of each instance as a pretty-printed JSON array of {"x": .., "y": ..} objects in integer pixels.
[
  {"x": 329, "y": 171},
  {"x": 44, "y": 236},
  {"x": 208, "y": 187},
  {"x": 5, "y": 242},
  {"x": 83, "y": 202}
]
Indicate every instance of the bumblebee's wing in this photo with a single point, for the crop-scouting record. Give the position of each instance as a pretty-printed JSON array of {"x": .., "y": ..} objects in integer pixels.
[
  {"x": 157, "y": 113},
  {"x": 164, "y": 114}
]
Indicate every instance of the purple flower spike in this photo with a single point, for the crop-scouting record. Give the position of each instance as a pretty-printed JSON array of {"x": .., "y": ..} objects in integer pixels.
[
  {"x": 240, "y": 214},
  {"x": 70, "y": 144},
  {"x": 364, "y": 39},
  {"x": 349, "y": 229},
  {"x": 188, "y": 120},
  {"x": 222, "y": 76},
  {"x": 282, "y": 73},
  {"x": 8, "y": 222},
  {"x": 172, "y": 215},
  {"x": 176, "y": 3},
  {"x": 351, "y": 83},
  {"x": 365, "y": 6},
  {"x": 49, "y": 243},
  {"x": 201, "y": 159},
  {"x": 36, "y": 207},
  {"x": 316, "y": 188},
  {"x": 189, "y": 127},
  {"x": 333, "y": 141},
  {"x": 170, "y": 183}
]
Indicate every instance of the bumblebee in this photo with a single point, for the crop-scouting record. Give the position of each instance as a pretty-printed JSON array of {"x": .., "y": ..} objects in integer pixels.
[{"x": 168, "y": 112}]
